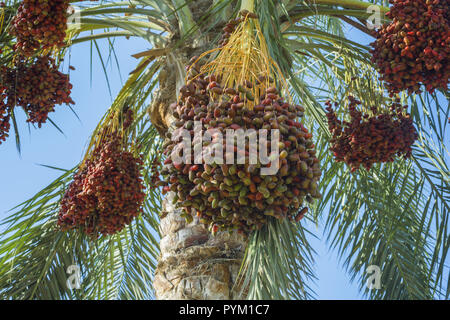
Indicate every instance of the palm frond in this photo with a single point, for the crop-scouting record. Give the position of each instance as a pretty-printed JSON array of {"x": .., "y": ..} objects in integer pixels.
[
  {"x": 385, "y": 216},
  {"x": 108, "y": 264},
  {"x": 278, "y": 263}
]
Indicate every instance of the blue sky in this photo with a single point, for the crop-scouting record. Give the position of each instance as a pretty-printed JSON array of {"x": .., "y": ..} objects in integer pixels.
[{"x": 22, "y": 176}]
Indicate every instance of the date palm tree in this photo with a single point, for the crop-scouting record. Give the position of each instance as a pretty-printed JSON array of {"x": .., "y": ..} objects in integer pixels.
[{"x": 394, "y": 216}]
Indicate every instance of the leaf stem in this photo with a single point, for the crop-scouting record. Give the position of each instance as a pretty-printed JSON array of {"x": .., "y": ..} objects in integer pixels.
[
  {"x": 248, "y": 5},
  {"x": 352, "y": 4},
  {"x": 185, "y": 17},
  {"x": 355, "y": 24}
]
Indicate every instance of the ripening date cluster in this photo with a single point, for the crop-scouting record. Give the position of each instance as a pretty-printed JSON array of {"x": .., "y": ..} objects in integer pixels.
[
  {"x": 369, "y": 139},
  {"x": 36, "y": 87},
  {"x": 237, "y": 196},
  {"x": 227, "y": 31},
  {"x": 5, "y": 115},
  {"x": 414, "y": 49},
  {"x": 230, "y": 27},
  {"x": 106, "y": 194},
  {"x": 40, "y": 24}
]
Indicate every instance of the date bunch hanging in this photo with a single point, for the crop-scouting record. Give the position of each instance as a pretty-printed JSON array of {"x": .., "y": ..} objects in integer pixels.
[
  {"x": 371, "y": 136},
  {"x": 414, "y": 49},
  {"x": 37, "y": 87},
  {"x": 40, "y": 25},
  {"x": 225, "y": 193},
  {"x": 107, "y": 192},
  {"x": 5, "y": 115}
]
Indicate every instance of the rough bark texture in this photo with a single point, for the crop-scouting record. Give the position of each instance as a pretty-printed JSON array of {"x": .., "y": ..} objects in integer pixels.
[{"x": 193, "y": 264}]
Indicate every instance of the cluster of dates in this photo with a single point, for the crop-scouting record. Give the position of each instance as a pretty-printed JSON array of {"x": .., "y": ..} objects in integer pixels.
[
  {"x": 40, "y": 24},
  {"x": 106, "y": 194},
  {"x": 414, "y": 49},
  {"x": 229, "y": 195},
  {"x": 369, "y": 139},
  {"x": 36, "y": 87},
  {"x": 5, "y": 115},
  {"x": 230, "y": 27}
]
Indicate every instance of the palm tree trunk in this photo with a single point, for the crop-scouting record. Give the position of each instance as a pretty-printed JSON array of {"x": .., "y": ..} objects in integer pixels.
[{"x": 193, "y": 264}]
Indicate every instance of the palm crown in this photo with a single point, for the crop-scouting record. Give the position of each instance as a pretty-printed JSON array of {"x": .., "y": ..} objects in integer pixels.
[{"x": 394, "y": 215}]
